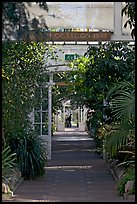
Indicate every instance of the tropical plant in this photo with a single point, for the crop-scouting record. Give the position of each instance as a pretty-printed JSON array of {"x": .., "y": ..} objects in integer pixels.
[
  {"x": 123, "y": 105},
  {"x": 120, "y": 142},
  {"x": 123, "y": 100},
  {"x": 31, "y": 156},
  {"x": 8, "y": 162}
]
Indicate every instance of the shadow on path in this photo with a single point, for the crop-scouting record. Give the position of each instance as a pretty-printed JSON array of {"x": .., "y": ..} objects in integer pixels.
[{"x": 74, "y": 174}]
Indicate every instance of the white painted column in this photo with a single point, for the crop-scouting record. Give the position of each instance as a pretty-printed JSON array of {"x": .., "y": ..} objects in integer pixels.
[
  {"x": 64, "y": 115},
  {"x": 117, "y": 18},
  {"x": 50, "y": 114},
  {"x": 118, "y": 35}
]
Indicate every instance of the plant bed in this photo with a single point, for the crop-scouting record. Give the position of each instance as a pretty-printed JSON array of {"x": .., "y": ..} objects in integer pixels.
[
  {"x": 14, "y": 182},
  {"x": 121, "y": 178}
]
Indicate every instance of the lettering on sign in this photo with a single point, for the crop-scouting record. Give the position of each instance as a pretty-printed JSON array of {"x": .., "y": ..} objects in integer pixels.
[
  {"x": 67, "y": 36},
  {"x": 70, "y": 57}
]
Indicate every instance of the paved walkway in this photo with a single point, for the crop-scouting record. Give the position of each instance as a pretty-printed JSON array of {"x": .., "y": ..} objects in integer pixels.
[{"x": 74, "y": 174}]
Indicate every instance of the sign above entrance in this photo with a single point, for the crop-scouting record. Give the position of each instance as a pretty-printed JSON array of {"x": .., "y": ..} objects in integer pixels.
[
  {"x": 69, "y": 57},
  {"x": 67, "y": 36}
]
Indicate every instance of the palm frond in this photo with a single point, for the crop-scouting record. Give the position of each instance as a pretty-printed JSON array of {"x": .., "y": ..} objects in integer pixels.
[
  {"x": 8, "y": 161},
  {"x": 124, "y": 85},
  {"x": 116, "y": 140},
  {"x": 122, "y": 100}
]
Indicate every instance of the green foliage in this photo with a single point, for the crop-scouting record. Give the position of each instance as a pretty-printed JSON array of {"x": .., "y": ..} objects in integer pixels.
[
  {"x": 129, "y": 10},
  {"x": 123, "y": 110},
  {"x": 123, "y": 100},
  {"x": 60, "y": 93},
  {"x": 8, "y": 162},
  {"x": 31, "y": 156},
  {"x": 15, "y": 19},
  {"x": 99, "y": 69},
  {"x": 117, "y": 140},
  {"x": 94, "y": 124},
  {"x": 100, "y": 134},
  {"x": 24, "y": 73},
  {"x": 128, "y": 176},
  {"x": 95, "y": 74},
  {"x": 18, "y": 90}
]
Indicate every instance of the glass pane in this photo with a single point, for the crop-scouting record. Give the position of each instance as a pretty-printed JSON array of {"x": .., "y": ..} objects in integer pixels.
[
  {"x": 38, "y": 105},
  {"x": 87, "y": 15},
  {"x": 45, "y": 117},
  {"x": 45, "y": 93},
  {"x": 37, "y": 129},
  {"x": 45, "y": 129},
  {"x": 37, "y": 117},
  {"x": 37, "y": 93},
  {"x": 45, "y": 105}
]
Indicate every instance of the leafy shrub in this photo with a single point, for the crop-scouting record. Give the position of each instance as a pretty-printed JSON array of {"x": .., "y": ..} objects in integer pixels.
[
  {"x": 31, "y": 157},
  {"x": 129, "y": 175}
]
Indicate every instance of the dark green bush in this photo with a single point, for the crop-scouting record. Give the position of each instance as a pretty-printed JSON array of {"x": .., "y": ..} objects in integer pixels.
[{"x": 31, "y": 157}]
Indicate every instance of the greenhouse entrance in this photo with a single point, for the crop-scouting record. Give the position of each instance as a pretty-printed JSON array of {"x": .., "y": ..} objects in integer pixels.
[{"x": 75, "y": 41}]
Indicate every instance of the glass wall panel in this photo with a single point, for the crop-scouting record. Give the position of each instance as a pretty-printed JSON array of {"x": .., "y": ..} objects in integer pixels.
[{"x": 77, "y": 15}]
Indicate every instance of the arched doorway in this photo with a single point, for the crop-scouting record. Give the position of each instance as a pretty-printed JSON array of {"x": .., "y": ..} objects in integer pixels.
[{"x": 71, "y": 117}]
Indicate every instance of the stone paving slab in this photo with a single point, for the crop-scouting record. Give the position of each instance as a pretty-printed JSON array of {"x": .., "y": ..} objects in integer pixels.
[{"x": 74, "y": 174}]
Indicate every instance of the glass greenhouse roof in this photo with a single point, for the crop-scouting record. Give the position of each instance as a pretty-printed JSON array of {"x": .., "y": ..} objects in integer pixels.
[{"x": 78, "y": 16}]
